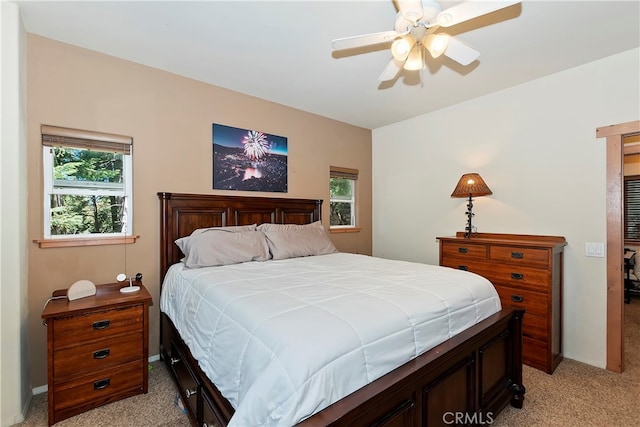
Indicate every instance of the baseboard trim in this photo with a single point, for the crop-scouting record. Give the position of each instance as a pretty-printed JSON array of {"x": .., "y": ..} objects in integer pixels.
[{"x": 40, "y": 390}]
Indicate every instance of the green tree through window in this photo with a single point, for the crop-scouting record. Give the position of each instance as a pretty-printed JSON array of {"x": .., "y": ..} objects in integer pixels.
[
  {"x": 342, "y": 202},
  {"x": 77, "y": 169}
]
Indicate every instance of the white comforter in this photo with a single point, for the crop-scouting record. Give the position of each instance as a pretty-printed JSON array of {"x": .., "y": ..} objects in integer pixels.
[{"x": 284, "y": 339}]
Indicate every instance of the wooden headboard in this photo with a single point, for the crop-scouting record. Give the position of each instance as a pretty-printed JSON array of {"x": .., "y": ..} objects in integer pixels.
[{"x": 180, "y": 214}]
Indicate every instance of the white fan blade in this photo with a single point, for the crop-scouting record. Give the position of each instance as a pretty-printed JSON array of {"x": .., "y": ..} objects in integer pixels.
[
  {"x": 460, "y": 52},
  {"x": 411, "y": 10},
  {"x": 391, "y": 70},
  {"x": 469, "y": 10},
  {"x": 364, "y": 40}
]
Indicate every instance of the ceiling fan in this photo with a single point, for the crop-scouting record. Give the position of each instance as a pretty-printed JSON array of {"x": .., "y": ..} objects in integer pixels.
[{"x": 416, "y": 31}]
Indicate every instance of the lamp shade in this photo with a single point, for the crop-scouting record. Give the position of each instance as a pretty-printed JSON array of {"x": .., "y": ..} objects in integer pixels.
[{"x": 471, "y": 185}]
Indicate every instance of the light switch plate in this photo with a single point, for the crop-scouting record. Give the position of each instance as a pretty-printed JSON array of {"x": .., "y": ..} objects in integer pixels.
[{"x": 594, "y": 249}]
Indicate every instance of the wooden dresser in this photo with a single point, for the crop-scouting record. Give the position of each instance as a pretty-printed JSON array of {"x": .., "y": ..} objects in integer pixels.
[
  {"x": 97, "y": 349},
  {"x": 527, "y": 273}
]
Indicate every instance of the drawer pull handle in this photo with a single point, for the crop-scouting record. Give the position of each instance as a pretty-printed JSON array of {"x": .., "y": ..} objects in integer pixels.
[
  {"x": 463, "y": 268},
  {"x": 517, "y": 298},
  {"x": 517, "y": 276},
  {"x": 101, "y": 354},
  {"x": 517, "y": 255},
  {"x": 463, "y": 250},
  {"x": 101, "y": 384},
  {"x": 174, "y": 360},
  {"x": 101, "y": 324},
  {"x": 190, "y": 393}
]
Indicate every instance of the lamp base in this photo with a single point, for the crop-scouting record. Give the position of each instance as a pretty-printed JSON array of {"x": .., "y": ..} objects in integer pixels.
[
  {"x": 469, "y": 228},
  {"x": 129, "y": 289}
]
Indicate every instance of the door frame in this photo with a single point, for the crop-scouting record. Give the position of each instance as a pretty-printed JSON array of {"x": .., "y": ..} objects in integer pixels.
[{"x": 615, "y": 135}]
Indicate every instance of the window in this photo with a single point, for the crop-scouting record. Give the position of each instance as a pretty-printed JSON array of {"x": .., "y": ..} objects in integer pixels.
[
  {"x": 87, "y": 183},
  {"x": 342, "y": 203},
  {"x": 632, "y": 207}
]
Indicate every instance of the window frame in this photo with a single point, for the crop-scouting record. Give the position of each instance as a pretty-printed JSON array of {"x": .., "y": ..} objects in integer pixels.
[
  {"x": 352, "y": 176},
  {"x": 93, "y": 141}
]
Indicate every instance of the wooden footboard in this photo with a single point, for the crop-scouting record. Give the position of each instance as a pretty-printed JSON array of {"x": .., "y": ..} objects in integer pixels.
[{"x": 468, "y": 379}]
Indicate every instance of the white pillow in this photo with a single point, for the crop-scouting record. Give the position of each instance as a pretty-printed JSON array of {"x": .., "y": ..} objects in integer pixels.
[
  {"x": 278, "y": 227},
  {"x": 233, "y": 228},
  {"x": 300, "y": 242},
  {"x": 222, "y": 247},
  {"x": 184, "y": 245}
]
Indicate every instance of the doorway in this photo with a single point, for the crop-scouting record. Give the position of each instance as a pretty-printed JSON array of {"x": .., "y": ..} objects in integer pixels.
[{"x": 615, "y": 135}]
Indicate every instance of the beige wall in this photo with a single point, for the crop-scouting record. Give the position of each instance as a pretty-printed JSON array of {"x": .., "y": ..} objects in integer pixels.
[
  {"x": 535, "y": 146},
  {"x": 170, "y": 119}
]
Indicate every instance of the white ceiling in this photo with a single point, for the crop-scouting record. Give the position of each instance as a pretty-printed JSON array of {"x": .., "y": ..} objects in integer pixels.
[{"x": 281, "y": 50}]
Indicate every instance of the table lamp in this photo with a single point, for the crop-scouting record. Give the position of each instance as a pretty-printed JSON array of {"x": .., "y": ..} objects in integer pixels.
[{"x": 470, "y": 185}]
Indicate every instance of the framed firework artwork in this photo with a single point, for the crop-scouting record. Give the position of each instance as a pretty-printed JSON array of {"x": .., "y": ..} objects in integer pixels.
[{"x": 248, "y": 160}]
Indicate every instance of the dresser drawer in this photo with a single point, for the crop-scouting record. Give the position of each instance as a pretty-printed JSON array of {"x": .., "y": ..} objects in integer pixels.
[
  {"x": 535, "y": 326},
  {"x": 464, "y": 250},
  {"x": 512, "y": 275},
  {"x": 99, "y": 387},
  {"x": 187, "y": 382},
  {"x": 535, "y": 353},
  {"x": 518, "y": 276},
  {"x": 76, "y": 361},
  {"x": 96, "y": 325},
  {"x": 475, "y": 266},
  {"x": 520, "y": 256},
  {"x": 210, "y": 417},
  {"x": 531, "y": 302}
]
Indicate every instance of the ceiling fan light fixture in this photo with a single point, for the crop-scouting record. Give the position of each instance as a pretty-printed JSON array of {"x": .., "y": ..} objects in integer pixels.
[
  {"x": 436, "y": 44},
  {"x": 414, "y": 61},
  {"x": 401, "y": 47}
]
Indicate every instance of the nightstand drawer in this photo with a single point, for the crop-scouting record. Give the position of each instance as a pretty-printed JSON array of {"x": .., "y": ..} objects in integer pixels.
[
  {"x": 72, "y": 362},
  {"x": 99, "y": 387},
  {"x": 520, "y": 256},
  {"x": 96, "y": 325},
  {"x": 531, "y": 302},
  {"x": 464, "y": 250}
]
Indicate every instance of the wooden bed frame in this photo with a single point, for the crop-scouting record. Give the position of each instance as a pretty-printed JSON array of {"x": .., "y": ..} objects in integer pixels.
[{"x": 468, "y": 379}]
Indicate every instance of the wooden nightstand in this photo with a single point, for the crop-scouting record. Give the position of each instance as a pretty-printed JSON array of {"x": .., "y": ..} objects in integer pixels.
[
  {"x": 526, "y": 271},
  {"x": 98, "y": 349}
]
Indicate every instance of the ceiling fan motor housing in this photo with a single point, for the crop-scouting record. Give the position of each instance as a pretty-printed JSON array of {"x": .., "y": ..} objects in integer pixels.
[{"x": 430, "y": 12}]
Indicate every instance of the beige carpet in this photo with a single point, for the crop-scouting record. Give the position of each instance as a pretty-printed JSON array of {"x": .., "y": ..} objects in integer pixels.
[
  {"x": 582, "y": 395},
  {"x": 575, "y": 395},
  {"x": 156, "y": 408}
]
